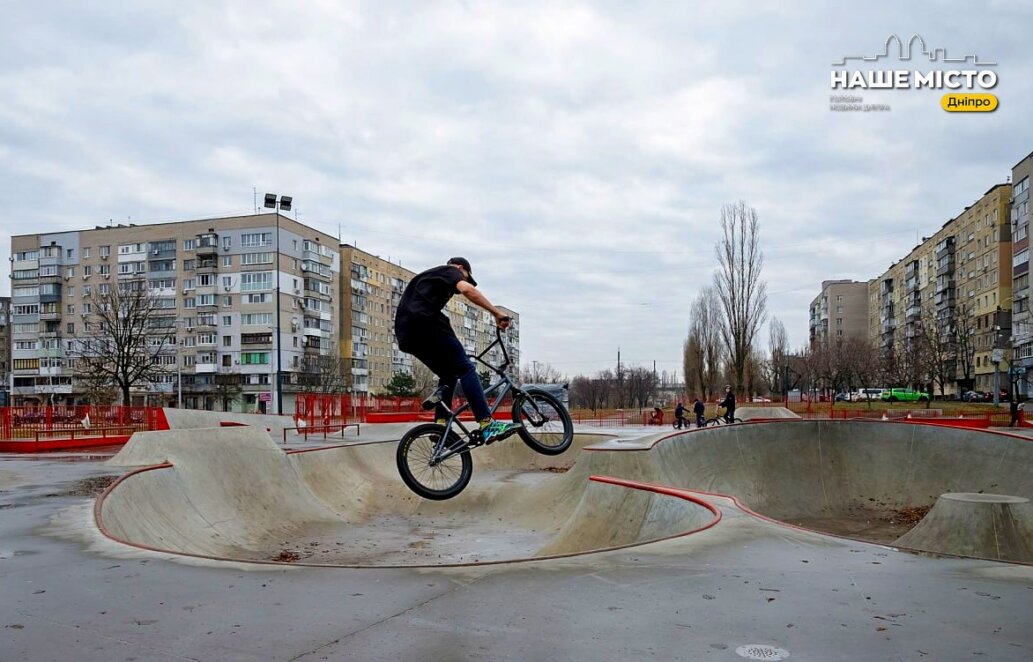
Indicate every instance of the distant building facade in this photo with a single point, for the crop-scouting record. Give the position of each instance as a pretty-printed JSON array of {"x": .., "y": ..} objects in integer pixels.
[
  {"x": 956, "y": 284},
  {"x": 1022, "y": 324},
  {"x": 241, "y": 300},
  {"x": 839, "y": 311}
]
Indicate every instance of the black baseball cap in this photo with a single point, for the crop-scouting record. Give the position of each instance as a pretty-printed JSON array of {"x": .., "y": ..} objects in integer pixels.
[{"x": 464, "y": 263}]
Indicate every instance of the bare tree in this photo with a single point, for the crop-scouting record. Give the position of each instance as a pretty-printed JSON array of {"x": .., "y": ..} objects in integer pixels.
[
  {"x": 325, "y": 373},
  {"x": 865, "y": 361},
  {"x": 940, "y": 353},
  {"x": 123, "y": 337},
  {"x": 426, "y": 381},
  {"x": 641, "y": 386},
  {"x": 227, "y": 388},
  {"x": 538, "y": 372},
  {"x": 965, "y": 347},
  {"x": 742, "y": 293},
  {"x": 702, "y": 353},
  {"x": 778, "y": 346},
  {"x": 589, "y": 392}
]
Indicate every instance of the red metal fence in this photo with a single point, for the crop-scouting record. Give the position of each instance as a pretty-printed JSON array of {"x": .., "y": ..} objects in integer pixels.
[
  {"x": 315, "y": 410},
  {"x": 35, "y": 422}
]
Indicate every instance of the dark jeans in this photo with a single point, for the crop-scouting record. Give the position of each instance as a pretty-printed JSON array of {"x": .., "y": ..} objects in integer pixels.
[
  {"x": 444, "y": 355},
  {"x": 700, "y": 421}
]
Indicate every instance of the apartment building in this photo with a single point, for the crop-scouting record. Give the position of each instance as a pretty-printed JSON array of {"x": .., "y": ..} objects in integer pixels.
[
  {"x": 953, "y": 281},
  {"x": 241, "y": 300},
  {"x": 839, "y": 311},
  {"x": 5, "y": 350},
  {"x": 367, "y": 315},
  {"x": 1022, "y": 318}
]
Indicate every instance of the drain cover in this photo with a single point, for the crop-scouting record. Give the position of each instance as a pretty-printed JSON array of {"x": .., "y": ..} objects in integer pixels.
[{"x": 761, "y": 652}]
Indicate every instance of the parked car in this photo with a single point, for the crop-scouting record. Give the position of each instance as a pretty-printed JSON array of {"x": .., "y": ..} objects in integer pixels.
[
  {"x": 844, "y": 397},
  {"x": 904, "y": 395},
  {"x": 868, "y": 394},
  {"x": 977, "y": 396}
]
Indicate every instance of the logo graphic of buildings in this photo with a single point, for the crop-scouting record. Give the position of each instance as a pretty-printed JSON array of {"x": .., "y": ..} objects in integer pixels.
[{"x": 916, "y": 44}]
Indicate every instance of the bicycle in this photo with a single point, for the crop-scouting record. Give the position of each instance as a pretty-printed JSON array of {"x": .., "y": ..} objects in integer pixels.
[
  {"x": 434, "y": 460},
  {"x": 719, "y": 420}
]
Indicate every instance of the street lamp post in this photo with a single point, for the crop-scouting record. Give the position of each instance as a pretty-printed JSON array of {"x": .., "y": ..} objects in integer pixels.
[{"x": 284, "y": 203}]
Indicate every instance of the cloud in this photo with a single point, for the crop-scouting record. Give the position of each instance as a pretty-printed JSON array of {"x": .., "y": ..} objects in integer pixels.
[{"x": 578, "y": 154}]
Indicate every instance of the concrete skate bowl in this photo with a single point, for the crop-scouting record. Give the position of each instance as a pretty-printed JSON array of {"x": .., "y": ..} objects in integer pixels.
[
  {"x": 232, "y": 494},
  {"x": 867, "y": 480}
]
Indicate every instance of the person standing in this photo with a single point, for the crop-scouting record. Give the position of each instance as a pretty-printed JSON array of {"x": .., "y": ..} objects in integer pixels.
[
  {"x": 679, "y": 416},
  {"x": 728, "y": 403},
  {"x": 699, "y": 409}
]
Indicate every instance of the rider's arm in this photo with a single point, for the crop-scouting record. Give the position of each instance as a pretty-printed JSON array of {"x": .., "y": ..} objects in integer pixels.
[{"x": 475, "y": 296}]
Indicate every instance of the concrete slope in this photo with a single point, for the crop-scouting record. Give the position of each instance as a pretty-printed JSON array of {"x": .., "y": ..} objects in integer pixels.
[
  {"x": 197, "y": 418},
  {"x": 228, "y": 489},
  {"x": 232, "y": 492},
  {"x": 991, "y": 526}
]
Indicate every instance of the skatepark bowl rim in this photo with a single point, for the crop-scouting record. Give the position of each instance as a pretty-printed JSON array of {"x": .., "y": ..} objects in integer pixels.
[{"x": 646, "y": 443}]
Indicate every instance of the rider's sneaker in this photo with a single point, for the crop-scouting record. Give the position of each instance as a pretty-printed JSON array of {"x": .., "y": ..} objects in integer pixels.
[
  {"x": 497, "y": 431},
  {"x": 433, "y": 399},
  {"x": 440, "y": 421}
]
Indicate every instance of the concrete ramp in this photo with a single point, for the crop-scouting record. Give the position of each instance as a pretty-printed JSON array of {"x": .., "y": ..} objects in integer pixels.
[
  {"x": 990, "y": 526},
  {"x": 198, "y": 418},
  {"x": 754, "y": 413},
  {"x": 231, "y": 492}
]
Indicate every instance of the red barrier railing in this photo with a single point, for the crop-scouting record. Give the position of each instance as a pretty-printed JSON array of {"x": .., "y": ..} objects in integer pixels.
[{"x": 32, "y": 422}]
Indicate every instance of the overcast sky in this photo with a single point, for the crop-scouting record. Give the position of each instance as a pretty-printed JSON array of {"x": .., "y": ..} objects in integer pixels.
[{"x": 577, "y": 153}]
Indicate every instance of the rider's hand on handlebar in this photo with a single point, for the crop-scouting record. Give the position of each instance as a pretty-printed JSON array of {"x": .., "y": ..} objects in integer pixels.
[{"x": 503, "y": 321}]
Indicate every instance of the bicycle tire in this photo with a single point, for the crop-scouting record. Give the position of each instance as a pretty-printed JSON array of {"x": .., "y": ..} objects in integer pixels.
[
  {"x": 547, "y": 427},
  {"x": 417, "y": 445}
]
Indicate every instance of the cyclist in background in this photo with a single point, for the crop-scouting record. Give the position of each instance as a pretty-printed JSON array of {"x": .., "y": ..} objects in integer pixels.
[
  {"x": 424, "y": 331},
  {"x": 728, "y": 403},
  {"x": 699, "y": 409},
  {"x": 679, "y": 417}
]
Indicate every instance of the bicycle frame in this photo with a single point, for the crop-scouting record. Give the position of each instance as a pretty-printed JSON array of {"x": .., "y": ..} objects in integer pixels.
[{"x": 503, "y": 387}]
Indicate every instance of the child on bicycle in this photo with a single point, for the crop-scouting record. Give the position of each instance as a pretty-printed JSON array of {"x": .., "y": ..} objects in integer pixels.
[
  {"x": 679, "y": 417},
  {"x": 425, "y": 332}
]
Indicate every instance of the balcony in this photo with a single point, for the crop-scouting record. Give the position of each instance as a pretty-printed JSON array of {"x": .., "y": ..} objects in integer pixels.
[
  {"x": 207, "y": 244},
  {"x": 205, "y": 368}
]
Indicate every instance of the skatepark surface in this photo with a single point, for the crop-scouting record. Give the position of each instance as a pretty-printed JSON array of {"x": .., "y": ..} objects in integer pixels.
[{"x": 219, "y": 543}]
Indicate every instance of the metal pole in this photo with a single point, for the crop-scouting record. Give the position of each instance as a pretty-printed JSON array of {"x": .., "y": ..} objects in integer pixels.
[{"x": 279, "y": 367}]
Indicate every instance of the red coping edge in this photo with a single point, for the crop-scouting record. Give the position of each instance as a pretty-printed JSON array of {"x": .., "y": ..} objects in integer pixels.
[{"x": 649, "y": 487}]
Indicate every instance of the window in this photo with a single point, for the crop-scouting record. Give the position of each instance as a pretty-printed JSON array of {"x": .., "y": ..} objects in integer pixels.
[
  {"x": 48, "y": 271},
  {"x": 227, "y": 360},
  {"x": 227, "y": 242},
  {"x": 70, "y": 272},
  {"x": 86, "y": 252},
  {"x": 105, "y": 251},
  {"x": 227, "y": 320},
  {"x": 28, "y": 309},
  {"x": 205, "y": 299},
  {"x": 260, "y": 280},
  {"x": 25, "y": 364},
  {"x": 25, "y": 291},
  {"x": 256, "y": 239},
  {"x": 26, "y": 344},
  {"x": 227, "y": 261},
  {"x": 104, "y": 288},
  {"x": 189, "y": 244},
  {"x": 189, "y": 302},
  {"x": 188, "y": 284},
  {"x": 26, "y": 256},
  {"x": 105, "y": 269},
  {"x": 256, "y": 318},
  {"x": 256, "y": 258},
  {"x": 227, "y": 341},
  {"x": 188, "y": 265},
  {"x": 206, "y": 339},
  {"x": 227, "y": 281},
  {"x": 205, "y": 280},
  {"x": 254, "y": 358},
  {"x": 257, "y": 298},
  {"x": 87, "y": 271},
  {"x": 227, "y": 301},
  {"x": 70, "y": 309}
]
